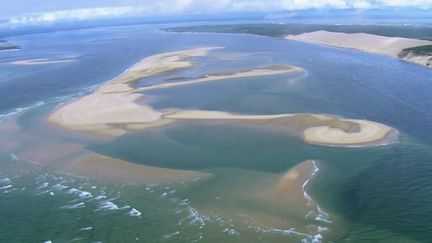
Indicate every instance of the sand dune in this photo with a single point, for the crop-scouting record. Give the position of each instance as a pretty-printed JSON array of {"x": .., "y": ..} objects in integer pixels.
[
  {"x": 391, "y": 46},
  {"x": 112, "y": 109}
]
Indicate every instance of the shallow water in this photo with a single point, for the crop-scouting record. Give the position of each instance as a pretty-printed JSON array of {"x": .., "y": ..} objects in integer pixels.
[{"x": 378, "y": 193}]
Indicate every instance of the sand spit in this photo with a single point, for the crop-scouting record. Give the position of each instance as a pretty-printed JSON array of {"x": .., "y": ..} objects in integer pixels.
[
  {"x": 390, "y": 46},
  {"x": 271, "y": 70},
  {"x": 112, "y": 109},
  {"x": 40, "y": 61}
]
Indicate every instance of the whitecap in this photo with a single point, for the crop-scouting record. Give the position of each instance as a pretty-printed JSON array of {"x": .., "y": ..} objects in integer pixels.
[
  {"x": 73, "y": 206},
  {"x": 43, "y": 185},
  {"x": 99, "y": 197},
  {"x": 195, "y": 217},
  {"x": 58, "y": 187},
  {"x": 171, "y": 235},
  {"x": 107, "y": 206},
  {"x": 134, "y": 213},
  {"x": 84, "y": 194},
  {"x": 73, "y": 191},
  {"x": 5, "y": 181},
  {"x": 13, "y": 156},
  {"x": 86, "y": 228},
  {"x": 5, "y": 187},
  {"x": 230, "y": 231}
]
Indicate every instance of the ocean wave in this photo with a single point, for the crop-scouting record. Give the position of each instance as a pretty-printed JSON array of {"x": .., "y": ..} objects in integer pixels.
[
  {"x": 316, "y": 212},
  {"x": 20, "y": 110}
]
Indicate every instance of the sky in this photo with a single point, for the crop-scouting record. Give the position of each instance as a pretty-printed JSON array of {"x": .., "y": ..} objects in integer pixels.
[{"x": 25, "y": 11}]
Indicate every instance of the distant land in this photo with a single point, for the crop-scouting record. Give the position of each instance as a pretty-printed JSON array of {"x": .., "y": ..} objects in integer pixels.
[
  {"x": 6, "y": 46},
  {"x": 412, "y": 43}
]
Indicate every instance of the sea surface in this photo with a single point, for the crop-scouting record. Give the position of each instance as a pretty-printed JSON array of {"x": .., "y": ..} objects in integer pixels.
[{"x": 371, "y": 194}]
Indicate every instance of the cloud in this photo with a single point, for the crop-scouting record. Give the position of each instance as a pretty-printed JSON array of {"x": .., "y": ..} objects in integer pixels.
[
  {"x": 179, "y": 7},
  {"x": 75, "y": 14}
]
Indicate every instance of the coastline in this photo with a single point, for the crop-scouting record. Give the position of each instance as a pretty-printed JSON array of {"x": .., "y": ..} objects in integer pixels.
[
  {"x": 383, "y": 45},
  {"x": 111, "y": 110}
]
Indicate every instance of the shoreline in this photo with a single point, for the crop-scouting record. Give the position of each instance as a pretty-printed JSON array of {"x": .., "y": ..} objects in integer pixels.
[{"x": 111, "y": 110}]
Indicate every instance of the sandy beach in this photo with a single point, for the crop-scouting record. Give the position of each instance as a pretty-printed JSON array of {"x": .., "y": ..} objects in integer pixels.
[
  {"x": 112, "y": 109},
  {"x": 390, "y": 46}
]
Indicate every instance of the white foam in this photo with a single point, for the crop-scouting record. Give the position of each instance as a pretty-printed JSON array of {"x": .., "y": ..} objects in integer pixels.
[
  {"x": 74, "y": 206},
  {"x": 106, "y": 206},
  {"x": 134, "y": 213},
  {"x": 58, "y": 187},
  {"x": 231, "y": 231},
  {"x": 171, "y": 235},
  {"x": 13, "y": 156},
  {"x": 73, "y": 191},
  {"x": 20, "y": 109},
  {"x": 5, "y": 187},
  {"x": 43, "y": 185},
  {"x": 5, "y": 181},
  {"x": 100, "y": 197},
  {"x": 316, "y": 211},
  {"x": 195, "y": 217},
  {"x": 86, "y": 228},
  {"x": 84, "y": 194}
]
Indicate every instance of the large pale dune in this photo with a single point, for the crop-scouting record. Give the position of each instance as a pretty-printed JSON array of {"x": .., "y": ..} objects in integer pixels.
[
  {"x": 112, "y": 109},
  {"x": 391, "y": 46}
]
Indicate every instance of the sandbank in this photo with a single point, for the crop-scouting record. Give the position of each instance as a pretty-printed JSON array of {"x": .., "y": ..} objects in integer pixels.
[
  {"x": 96, "y": 165},
  {"x": 112, "y": 109},
  {"x": 368, "y": 133},
  {"x": 40, "y": 61}
]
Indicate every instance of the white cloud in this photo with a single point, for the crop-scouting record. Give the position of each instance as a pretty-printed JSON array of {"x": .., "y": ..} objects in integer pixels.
[
  {"x": 75, "y": 14},
  {"x": 172, "y": 7}
]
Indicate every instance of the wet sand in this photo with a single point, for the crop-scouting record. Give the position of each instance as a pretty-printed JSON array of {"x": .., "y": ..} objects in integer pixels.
[
  {"x": 256, "y": 196},
  {"x": 95, "y": 165}
]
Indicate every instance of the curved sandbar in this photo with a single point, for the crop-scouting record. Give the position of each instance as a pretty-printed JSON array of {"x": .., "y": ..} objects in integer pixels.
[
  {"x": 112, "y": 109},
  {"x": 368, "y": 132}
]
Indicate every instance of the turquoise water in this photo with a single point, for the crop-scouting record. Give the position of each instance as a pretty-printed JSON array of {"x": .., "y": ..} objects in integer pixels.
[{"x": 373, "y": 194}]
